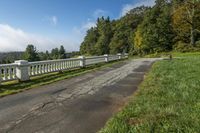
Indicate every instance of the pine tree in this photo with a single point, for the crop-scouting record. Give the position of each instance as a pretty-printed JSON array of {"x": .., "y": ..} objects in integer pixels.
[
  {"x": 62, "y": 53},
  {"x": 31, "y": 53}
]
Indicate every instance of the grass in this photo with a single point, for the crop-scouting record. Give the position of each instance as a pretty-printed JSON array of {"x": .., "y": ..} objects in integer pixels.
[
  {"x": 174, "y": 54},
  {"x": 13, "y": 87},
  {"x": 168, "y": 100}
]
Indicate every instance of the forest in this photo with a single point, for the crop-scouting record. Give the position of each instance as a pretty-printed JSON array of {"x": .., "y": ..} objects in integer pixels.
[{"x": 170, "y": 25}]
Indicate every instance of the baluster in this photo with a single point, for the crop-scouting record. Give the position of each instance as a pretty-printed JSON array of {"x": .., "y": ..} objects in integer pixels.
[
  {"x": 50, "y": 67},
  {"x": 67, "y": 64},
  {"x": 64, "y": 65},
  {"x": 37, "y": 70},
  {"x": 34, "y": 69},
  {"x": 40, "y": 68},
  {"x": 57, "y": 66},
  {"x": 9, "y": 73},
  {"x": 70, "y": 64},
  {"x": 60, "y": 65},
  {"x": 5, "y": 73},
  {"x": 0, "y": 75},
  {"x": 14, "y": 73},
  {"x": 54, "y": 66},
  {"x": 46, "y": 68}
]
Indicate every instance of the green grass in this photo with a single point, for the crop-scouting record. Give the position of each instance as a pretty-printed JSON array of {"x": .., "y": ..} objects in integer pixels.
[
  {"x": 13, "y": 87},
  {"x": 174, "y": 54},
  {"x": 167, "y": 101}
]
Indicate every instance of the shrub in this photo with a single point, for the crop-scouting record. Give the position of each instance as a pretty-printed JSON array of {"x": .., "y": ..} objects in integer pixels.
[{"x": 183, "y": 47}]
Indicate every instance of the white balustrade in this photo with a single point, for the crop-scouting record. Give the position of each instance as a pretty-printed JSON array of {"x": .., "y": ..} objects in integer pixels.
[
  {"x": 7, "y": 72},
  {"x": 42, "y": 67},
  {"x": 113, "y": 57},
  {"x": 94, "y": 60},
  {"x": 23, "y": 70}
]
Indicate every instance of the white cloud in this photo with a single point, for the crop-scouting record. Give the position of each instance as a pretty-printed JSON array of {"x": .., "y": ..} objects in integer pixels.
[
  {"x": 126, "y": 8},
  {"x": 13, "y": 39},
  {"x": 88, "y": 25},
  {"x": 99, "y": 13},
  {"x": 54, "y": 20}
]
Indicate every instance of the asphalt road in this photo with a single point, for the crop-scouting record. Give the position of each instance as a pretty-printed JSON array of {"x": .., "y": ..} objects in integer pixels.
[{"x": 81, "y": 104}]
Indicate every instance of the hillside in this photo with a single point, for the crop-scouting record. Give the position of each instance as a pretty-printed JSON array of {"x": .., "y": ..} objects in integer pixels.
[
  {"x": 9, "y": 57},
  {"x": 170, "y": 25}
]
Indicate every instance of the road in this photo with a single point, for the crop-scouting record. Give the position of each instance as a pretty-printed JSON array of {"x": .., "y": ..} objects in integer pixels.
[{"x": 81, "y": 104}]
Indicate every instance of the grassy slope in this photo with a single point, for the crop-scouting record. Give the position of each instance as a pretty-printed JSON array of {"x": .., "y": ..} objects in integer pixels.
[
  {"x": 15, "y": 87},
  {"x": 167, "y": 101}
]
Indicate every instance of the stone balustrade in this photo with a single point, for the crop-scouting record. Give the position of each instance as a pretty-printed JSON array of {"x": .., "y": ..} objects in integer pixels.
[{"x": 22, "y": 70}]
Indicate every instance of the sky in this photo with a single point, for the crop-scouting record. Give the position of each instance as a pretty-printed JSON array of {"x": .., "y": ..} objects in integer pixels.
[{"x": 50, "y": 23}]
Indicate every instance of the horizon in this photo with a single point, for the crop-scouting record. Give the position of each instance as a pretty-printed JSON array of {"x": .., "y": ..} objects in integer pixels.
[{"x": 49, "y": 24}]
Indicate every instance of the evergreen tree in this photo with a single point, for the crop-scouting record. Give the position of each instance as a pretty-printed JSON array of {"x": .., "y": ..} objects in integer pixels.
[
  {"x": 105, "y": 35},
  {"x": 55, "y": 53},
  {"x": 62, "y": 54},
  {"x": 90, "y": 40},
  {"x": 31, "y": 53}
]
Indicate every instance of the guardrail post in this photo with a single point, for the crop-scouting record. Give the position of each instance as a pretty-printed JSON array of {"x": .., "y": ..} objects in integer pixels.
[
  {"x": 82, "y": 61},
  {"x": 22, "y": 70},
  {"x": 119, "y": 56},
  {"x": 106, "y": 56}
]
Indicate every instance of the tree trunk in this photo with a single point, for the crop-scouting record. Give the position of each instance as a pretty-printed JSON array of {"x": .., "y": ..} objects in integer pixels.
[{"x": 192, "y": 41}]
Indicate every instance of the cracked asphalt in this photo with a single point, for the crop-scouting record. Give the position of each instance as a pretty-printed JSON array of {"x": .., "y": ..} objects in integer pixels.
[{"x": 81, "y": 104}]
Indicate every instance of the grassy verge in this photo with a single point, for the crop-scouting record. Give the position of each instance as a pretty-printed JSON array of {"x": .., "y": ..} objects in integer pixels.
[
  {"x": 168, "y": 100},
  {"x": 13, "y": 87},
  {"x": 174, "y": 54}
]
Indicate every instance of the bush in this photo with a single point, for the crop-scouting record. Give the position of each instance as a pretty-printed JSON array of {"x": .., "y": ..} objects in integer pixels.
[
  {"x": 183, "y": 47},
  {"x": 198, "y": 44}
]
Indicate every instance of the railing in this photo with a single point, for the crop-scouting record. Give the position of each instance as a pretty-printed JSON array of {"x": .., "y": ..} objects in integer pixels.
[
  {"x": 8, "y": 72},
  {"x": 22, "y": 70},
  {"x": 94, "y": 60},
  {"x": 42, "y": 67}
]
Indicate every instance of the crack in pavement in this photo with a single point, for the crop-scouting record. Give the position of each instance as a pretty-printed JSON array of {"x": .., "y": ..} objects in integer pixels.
[{"x": 89, "y": 87}]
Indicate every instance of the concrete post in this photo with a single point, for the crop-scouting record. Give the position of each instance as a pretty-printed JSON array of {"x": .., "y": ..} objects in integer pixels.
[
  {"x": 106, "y": 56},
  {"x": 22, "y": 70},
  {"x": 82, "y": 61},
  {"x": 119, "y": 56}
]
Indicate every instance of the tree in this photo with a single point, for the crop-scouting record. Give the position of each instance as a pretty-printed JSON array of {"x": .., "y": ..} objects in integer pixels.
[
  {"x": 186, "y": 20},
  {"x": 105, "y": 35},
  {"x": 55, "y": 53},
  {"x": 124, "y": 30},
  {"x": 62, "y": 54},
  {"x": 31, "y": 53},
  {"x": 155, "y": 33},
  {"x": 90, "y": 40}
]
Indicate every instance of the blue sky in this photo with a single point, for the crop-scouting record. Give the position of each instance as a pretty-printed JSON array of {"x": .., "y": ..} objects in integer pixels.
[{"x": 50, "y": 23}]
